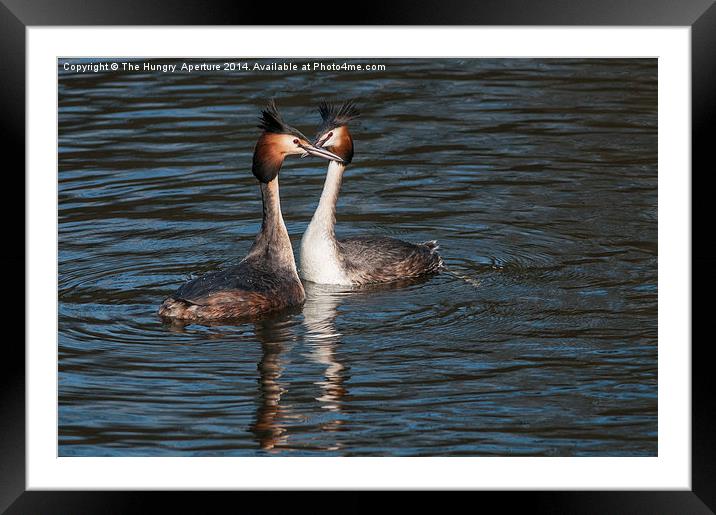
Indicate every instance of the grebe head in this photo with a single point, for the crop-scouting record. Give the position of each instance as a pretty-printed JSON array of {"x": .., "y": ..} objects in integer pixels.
[
  {"x": 333, "y": 135},
  {"x": 277, "y": 141}
]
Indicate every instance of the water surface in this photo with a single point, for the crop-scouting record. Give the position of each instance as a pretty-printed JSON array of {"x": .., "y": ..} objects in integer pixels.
[{"x": 537, "y": 176}]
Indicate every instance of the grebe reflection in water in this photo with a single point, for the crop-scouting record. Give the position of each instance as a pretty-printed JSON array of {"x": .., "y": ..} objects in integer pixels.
[
  {"x": 269, "y": 428},
  {"x": 323, "y": 340},
  {"x": 274, "y": 417}
]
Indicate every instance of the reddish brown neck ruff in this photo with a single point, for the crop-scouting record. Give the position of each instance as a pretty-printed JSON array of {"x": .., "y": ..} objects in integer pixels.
[
  {"x": 340, "y": 142},
  {"x": 344, "y": 148},
  {"x": 269, "y": 154}
]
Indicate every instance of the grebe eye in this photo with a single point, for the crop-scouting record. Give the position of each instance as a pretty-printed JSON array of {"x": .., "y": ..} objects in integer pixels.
[
  {"x": 330, "y": 134},
  {"x": 295, "y": 142}
]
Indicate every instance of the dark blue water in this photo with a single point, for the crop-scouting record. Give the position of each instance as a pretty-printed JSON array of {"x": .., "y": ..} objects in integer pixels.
[{"x": 538, "y": 178}]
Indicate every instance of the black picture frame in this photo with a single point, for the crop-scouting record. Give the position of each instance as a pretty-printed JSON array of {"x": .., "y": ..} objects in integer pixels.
[{"x": 17, "y": 15}]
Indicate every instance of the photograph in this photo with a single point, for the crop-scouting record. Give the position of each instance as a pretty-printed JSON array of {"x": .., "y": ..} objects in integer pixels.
[{"x": 346, "y": 257}]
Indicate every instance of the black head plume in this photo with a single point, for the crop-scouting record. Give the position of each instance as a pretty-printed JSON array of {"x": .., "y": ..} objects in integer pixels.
[
  {"x": 271, "y": 121},
  {"x": 336, "y": 115}
]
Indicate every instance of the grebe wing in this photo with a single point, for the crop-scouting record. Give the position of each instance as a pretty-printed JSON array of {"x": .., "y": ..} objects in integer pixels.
[
  {"x": 381, "y": 247},
  {"x": 244, "y": 276},
  {"x": 379, "y": 258}
]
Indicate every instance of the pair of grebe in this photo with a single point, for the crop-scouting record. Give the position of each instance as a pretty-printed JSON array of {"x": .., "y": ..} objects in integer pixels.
[{"x": 266, "y": 279}]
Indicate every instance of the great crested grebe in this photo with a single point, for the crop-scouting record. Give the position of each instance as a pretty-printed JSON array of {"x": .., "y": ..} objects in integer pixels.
[
  {"x": 363, "y": 259},
  {"x": 266, "y": 279}
]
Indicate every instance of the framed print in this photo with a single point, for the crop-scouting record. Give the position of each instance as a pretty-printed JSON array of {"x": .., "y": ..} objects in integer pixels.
[{"x": 474, "y": 275}]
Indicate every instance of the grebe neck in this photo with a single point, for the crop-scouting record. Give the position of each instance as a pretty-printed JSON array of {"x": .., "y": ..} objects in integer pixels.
[
  {"x": 325, "y": 216},
  {"x": 320, "y": 259},
  {"x": 272, "y": 243}
]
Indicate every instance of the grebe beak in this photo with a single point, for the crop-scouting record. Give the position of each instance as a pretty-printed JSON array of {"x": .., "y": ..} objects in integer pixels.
[{"x": 319, "y": 152}]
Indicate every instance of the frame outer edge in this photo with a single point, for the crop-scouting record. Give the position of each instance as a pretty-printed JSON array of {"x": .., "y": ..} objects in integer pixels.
[
  {"x": 12, "y": 364},
  {"x": 369, "y": 12},
  {"x": 703, "y": 114}
]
